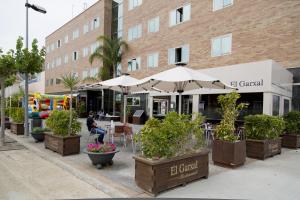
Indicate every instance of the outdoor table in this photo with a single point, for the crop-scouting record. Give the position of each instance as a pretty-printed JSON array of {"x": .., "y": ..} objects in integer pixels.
[{"x": 111, "y": 117}]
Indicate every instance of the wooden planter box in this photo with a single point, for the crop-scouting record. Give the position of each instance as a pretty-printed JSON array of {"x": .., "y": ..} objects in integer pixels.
[
  {"x": 17, "y": 128},
  {"x": 291, "y": 141},
  {"x": 262, "y": 149},
  {"x": 161, "y": 175},
  {"x": 230, "y": 154},
  {"x": 63, "y": 145}
]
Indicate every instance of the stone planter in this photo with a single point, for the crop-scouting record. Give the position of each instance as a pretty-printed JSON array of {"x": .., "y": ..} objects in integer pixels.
[
  {"x": 101, "y": 159},
  {"x": 229, "y": 154},
  {"x": 63, "y": 145},
  {"x": 17, "y": 128},
  {"x": 291, "y": 141},
  {"x": 262, "y": 149},
  {"x": 38, "y": 137},
  {"x": 155, "y": 176}
]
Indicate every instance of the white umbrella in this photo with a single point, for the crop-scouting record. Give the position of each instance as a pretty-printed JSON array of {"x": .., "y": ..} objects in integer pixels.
[
  {"x": 124, "y": 84},
  {"x": 181, "y": 79}
]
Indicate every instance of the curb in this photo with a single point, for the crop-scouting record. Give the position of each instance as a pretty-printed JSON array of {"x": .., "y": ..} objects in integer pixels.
[{"x": 106, "y": 186}]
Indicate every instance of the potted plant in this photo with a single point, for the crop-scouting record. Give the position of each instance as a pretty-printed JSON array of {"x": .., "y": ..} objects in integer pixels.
[
  {"x": 227, "y": 148},
  {"x": 291, "y": 138},
  {"x": 262, "y": 133},
  {"x": 101, "y": 154},
  {"x": 61, "y": 139},
  {"x": 81, "y": 109},
  {"x": 17, "y": 124},
  {"x": 38, "y": 133},
  {"x": 172, "y": 153}
]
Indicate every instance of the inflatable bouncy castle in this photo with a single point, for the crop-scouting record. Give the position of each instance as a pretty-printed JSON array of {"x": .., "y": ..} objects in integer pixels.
[{"x": 40, "y": 106}]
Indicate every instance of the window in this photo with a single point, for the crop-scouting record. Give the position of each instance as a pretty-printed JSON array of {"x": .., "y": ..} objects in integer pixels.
[
  {"x": 135, "y": 32},
  {"x": 57, "y": 81},
  {"x": 48, "y": 66},
  {"x": 85, "y": 51},
  {"x": 153, "y": 25},
  {"x": 276, "y": 105},
  {"x": 66, "y": 59},
  {"x": 220, "y": 4},
  {"x": 53, "y": 64},
  {"x": 153, "y": 60},
  {"x": 179, "y": 54},
  {"x": 85, "y": 74},
  {"x": 51, "y": 81},
  {"x": 134, "y": 3},
  {"x": 286, "y": 106},
  {"x": 58, "y": 43},
  {"x": 180, "y": 15},
  {"x": 58, "y": 61},
  {"x": 94, "y": 47},
  {"x": 75, "y": 56},
  {"x": 133, "y": 101},
  {"x": 52, "y": 47},
  {"x": 47, "y": 82},
  {"x": 75, "y": 34},
  {"x": 134, "y": 64},
  {"x": 85, "y": 28},
  {"x": 94, "y": 72},
  {"x": 221, "y": 45},
  {"x": 95, "y": 23},
  {"x": 66, "y": 39},
  {"x": 48, "y": 49}
]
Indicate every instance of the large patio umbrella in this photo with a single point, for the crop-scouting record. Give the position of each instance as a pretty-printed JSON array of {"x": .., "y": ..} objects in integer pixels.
[
  {"x": 181, "y": 79},
  {"x": 124, "y": 84}
]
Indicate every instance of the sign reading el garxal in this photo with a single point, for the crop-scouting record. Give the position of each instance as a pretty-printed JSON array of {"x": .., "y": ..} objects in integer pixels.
[
  {"x": 258, "y": 83},
  {"x": 183, "y": 168}
]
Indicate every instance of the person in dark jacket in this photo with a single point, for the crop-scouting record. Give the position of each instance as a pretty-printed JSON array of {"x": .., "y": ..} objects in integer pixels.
[{"x": 94, "y": 129}]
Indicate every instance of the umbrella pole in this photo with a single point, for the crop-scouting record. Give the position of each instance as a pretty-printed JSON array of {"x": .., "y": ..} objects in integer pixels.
[
  {"x": 124, "y": 112},
  {"x": 180, "y": 103}
]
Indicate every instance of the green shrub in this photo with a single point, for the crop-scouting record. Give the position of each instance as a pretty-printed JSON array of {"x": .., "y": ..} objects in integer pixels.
[
  {"x": 262, "y": 127},
  {"x": 38, "y": 130},
  {"x": 175, "y": 135},
  {"x": 58, "y": 122},
  {"x": 292, "y": 122},
  {"x": 17, "y": 115},
  {"x": 81, "y": 108},
  {"x": 230, "y": 111}
]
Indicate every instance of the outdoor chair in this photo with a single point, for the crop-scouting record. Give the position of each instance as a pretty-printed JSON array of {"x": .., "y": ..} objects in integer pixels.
[
  {"x": 129, "y": 136},
  {"x": 92, "y": 135}
]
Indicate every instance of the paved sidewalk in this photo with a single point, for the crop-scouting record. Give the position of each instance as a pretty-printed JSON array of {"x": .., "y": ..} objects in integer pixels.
[{"x": 24, "y": 175}]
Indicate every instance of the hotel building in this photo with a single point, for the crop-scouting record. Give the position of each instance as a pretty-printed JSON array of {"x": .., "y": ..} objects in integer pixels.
[{"x": 253, "y": 45}]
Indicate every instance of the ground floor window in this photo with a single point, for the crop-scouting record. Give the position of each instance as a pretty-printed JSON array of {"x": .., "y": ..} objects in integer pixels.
[{"x": 276, "y": 105}]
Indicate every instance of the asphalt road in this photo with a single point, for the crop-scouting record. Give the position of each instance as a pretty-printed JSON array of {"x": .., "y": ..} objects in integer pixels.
[{"x": 24, "y": 175}]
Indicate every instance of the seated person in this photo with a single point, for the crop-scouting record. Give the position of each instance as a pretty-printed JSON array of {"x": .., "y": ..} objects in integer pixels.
[{"x": 94, "y": 129}]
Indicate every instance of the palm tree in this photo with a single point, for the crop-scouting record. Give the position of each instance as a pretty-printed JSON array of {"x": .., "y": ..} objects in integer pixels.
[
  {"x": 70, "y": 81},
  {"x": 110, "y": 52}
]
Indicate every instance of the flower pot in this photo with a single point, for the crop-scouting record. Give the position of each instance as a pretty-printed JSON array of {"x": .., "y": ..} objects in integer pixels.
[
  {"x": 155, "y": 176},
  {"x": 17, "y": 128},
  {"x": 262, "y": 149},
  {"x": 101, "y": 159},
  {"x": 63, "y": 145},
  {"x": 38, "y": 137},
  {"x": 229, "y": 154},
  {"x": 291, "y": 141}
]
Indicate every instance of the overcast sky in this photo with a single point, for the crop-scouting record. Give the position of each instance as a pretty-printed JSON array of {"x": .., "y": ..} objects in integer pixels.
[{"x": 13, "y": 19}]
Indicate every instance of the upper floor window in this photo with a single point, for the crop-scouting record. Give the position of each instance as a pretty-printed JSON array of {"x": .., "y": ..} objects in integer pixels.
[
  {"x": 75, "y": 34},
  {"x": 66, "y": 39},
  {"x": 57, "y": 81},
  {"x": 220, "y": 4},
  {"x": 66, "y": 59},
  {"x": 75, "y": 55},
  {"x": 85, "y": 74},
  {"x": 94, "y": 47},
  {"x": 48, "y": 66},
  {"x": 58, "y": 43},
  {"x": 134, "y": 64},
  {"x": 135, "y": 32},
  {"x": 180, "y": 15},
  {"x": 152, "y": 60},
  {"x": 48, "y": 49},
  {"x": 53, "y": 64},
  {"x": 153, "y": 25},
  {"x": 134, "y": 3},
  {"x": 95, "y": 23},
  {"x": 58, "y": 61},
  {"x": 94, "y": 72},
  {"x": 221, "y": 45},
  {"x": 52, "y": 47},
  {"x": 85, "y": 28},
  {"x": 85, "y": 51},
  {"x": 179, "y": 54}
]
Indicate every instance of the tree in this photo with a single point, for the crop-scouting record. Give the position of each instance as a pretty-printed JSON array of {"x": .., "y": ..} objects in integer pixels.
[
  {"x": 110, "y": 52},
  {"x": 29, "y": 62},
  {"x": 7, "y": 70},
  {"x": 70, "y": 81}
]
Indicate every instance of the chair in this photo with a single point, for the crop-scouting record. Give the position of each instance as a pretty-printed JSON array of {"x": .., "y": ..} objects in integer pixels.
[
  {"x": 129, "y": 135},
  {"x": 92, "y": 135}
]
